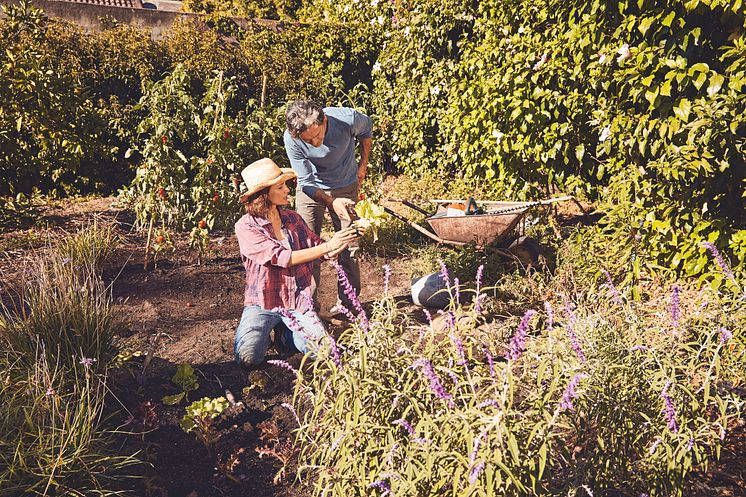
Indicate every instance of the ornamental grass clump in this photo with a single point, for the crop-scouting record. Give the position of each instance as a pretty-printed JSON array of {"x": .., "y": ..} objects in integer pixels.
[
  {"x": 55, "y": 345},
  {"x": 602, "y": 397}
]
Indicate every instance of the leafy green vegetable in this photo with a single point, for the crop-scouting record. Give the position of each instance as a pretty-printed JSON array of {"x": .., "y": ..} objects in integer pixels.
[{"x": 371, "y": 216}]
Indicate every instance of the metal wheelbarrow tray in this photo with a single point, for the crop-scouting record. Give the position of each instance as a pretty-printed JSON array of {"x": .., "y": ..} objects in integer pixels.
[{"x": 495, "y": 224}]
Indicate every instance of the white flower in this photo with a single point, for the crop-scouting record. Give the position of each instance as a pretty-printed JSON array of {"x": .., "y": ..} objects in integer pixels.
[
  {"x": 381, "y": 20},
  {"x": 395, "y": 158},
  {"x": 374, "y": 3},
  {"x": 521, "y": 30},
  {"x": 541, "y": 61},
  {"x": 435, "y": 90},
  {"x": 605, "y": 134},
  {"x": 376, "y": 67},
  {"x": 623, "y": 52},
  {"x": 498, "y": 135},
  {"x": 346, "y": 9},
  {"x": 406, "y": 31},
  {"x": 602, "y": 58}
]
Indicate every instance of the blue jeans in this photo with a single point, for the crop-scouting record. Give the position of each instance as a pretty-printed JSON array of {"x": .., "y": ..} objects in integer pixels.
[{"x": 252, "y": 334}]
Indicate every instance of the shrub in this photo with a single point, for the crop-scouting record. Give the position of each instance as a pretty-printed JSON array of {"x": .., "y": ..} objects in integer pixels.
[{"x": 584, "y": 391}]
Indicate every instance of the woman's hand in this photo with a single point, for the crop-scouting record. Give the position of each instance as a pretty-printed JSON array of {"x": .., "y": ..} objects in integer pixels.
[{"x": 340, "y": 241}]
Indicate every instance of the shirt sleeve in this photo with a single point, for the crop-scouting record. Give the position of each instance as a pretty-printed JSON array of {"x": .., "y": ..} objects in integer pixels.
[
  {"x": 254, "y": 243},
  {"x": 301, "y": 165},
  {"x": 362, "y": 125}
]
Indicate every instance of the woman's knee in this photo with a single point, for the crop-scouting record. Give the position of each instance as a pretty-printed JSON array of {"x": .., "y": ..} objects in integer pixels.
[{"x": 252, "y": 337}]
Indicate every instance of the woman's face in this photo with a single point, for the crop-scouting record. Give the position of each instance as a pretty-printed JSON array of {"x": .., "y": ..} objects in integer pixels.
[{"x": 278, "y": 194}]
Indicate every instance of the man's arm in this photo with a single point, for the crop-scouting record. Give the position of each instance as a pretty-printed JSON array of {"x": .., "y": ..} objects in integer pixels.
[{"x": 362, "y": 168}]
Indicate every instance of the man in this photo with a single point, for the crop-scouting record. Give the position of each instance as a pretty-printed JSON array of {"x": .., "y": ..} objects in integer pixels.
[{"x": 320, "y": 143}]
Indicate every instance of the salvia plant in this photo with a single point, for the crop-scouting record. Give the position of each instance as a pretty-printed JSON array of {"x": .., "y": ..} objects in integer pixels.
[{"x": 601, "y": 395}]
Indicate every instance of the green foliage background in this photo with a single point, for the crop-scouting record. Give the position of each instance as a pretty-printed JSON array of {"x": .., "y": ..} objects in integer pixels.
[{"x": 636, "y": 106}]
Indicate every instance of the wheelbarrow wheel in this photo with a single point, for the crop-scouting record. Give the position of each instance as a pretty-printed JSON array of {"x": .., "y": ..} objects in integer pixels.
[{"x": 527, "y": 251}]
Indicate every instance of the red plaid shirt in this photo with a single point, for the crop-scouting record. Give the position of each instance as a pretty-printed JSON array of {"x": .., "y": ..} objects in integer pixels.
[{"x": 270, "y": 281}]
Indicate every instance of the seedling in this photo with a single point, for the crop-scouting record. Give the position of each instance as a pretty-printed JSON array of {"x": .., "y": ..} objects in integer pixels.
[
  {"x": 199, "y": 418},
  {"x": 186, "y": 380}
]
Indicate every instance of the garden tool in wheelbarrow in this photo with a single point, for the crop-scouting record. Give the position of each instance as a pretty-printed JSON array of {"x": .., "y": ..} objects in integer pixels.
[
  {"x": 487, "y": 224},
  {"x": 484, "y": 223}
]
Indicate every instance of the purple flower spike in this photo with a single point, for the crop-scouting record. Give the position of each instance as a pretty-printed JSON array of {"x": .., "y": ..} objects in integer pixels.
[
  {"x": 283, "y": 365},
  {"x": 570, "y": 393},
  {"x": 575, "y": 344},
  {"x": 669, "y": 410},
  {"x": 614, "y": 292},
  {"x": 720, "y": 261},
  {"x": 518, "y": 343},
  {"x": 334, "y": 351},
  {"x": 675, "y": 310},
  {"x": 404, "y": 424},
  {"x": 350, "y": 293},
  {"x": 480, "y": 273},
  {"x": 725, "y": 335},
  {"x": 292, "y": 411},
  {"x": 476, "y": 470},
  {"x": 457, "y": 290},
  {"x": 435, "y": 385},
  {"x": 478, "y": 297},
  {"x": 386, "y": 278},
  {"x": 444, "y": 273},
  {"x": 381, "y": 485},
  {"x": 459, "y": 348},
  {"x": 294, "y": 324}
]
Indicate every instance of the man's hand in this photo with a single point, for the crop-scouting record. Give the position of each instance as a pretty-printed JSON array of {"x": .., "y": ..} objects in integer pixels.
[{"x": 340, "y": 207}]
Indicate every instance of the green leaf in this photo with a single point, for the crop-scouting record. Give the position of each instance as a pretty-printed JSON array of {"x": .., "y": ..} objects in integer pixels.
[
  {"x": 716, "y": 82},
  {"x": 644, "y": 26},
  {"x": 699, "y": 81},
  {"x": 171, "y": 400},
  {"x": 580, "y": 152},
  {"x": 683, "y": 109},
  {"x": 668, "y": 20},
  {"x": 665, "y": 88}
]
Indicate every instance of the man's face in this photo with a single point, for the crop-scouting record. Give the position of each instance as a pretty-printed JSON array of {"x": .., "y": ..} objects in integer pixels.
[{"x": 314, "y": 135}]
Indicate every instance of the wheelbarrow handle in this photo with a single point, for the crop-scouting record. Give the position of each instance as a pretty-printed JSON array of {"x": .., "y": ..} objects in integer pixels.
[
  {"x": 415, "y": 207},
  {"x": 419, "y": 228}
]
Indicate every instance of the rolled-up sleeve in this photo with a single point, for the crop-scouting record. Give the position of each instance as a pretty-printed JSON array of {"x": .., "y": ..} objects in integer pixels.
[
  {"x": 255, "y": 244},
  {"x": 362, "y": 125}
]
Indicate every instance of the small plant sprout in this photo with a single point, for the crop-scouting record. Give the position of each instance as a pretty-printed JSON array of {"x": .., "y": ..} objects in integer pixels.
[
  {"x": 186, "y": 380},
  {"x": 199, "y": 419}
]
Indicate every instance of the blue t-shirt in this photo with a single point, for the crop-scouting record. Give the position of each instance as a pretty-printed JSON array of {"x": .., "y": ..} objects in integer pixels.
[{"x": 333, "y": 164}]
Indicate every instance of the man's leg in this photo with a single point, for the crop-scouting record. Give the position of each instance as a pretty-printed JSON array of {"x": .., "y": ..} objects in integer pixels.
[
  {"x": 348, "y": 258},
  {"x": 312, "y": 213},
  {"x": 252, "y": 334}
]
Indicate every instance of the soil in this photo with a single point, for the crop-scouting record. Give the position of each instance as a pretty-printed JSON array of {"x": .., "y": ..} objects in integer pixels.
[{"x": 181, "y": 312}]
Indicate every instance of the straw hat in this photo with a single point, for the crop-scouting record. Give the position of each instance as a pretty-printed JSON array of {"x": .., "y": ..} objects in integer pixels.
[{"x": 263, "y": 173}]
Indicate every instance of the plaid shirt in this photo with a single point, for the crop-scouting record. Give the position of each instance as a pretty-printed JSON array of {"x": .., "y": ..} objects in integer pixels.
[{"x": 270, "y": 281}]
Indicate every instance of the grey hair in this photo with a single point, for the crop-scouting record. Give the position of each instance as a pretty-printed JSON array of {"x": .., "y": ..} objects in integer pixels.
[{"x": 301, "y": 115}]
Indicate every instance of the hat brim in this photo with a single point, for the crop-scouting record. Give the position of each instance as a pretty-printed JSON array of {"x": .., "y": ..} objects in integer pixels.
[{"x": 287, "y": 174}]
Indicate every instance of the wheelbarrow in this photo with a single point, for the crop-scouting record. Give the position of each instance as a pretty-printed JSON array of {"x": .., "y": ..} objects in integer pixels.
[{"x": 483, "y": 223}]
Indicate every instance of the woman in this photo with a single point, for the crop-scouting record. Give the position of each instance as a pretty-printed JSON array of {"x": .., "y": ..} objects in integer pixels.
[{"x": 277, "y": 250}]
